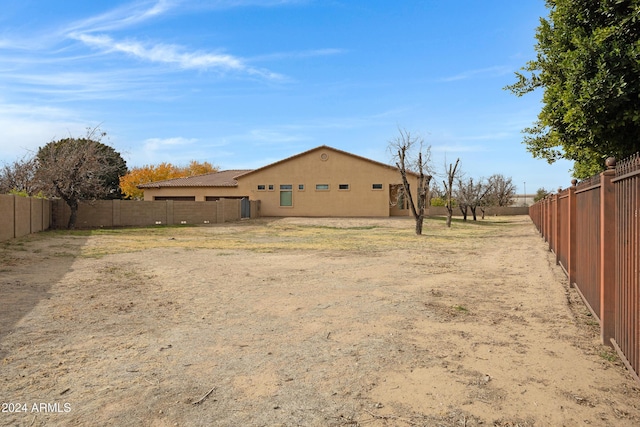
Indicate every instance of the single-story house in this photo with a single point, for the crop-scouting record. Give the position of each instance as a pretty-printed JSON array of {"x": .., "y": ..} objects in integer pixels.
[{"x": 323, "y": 181}]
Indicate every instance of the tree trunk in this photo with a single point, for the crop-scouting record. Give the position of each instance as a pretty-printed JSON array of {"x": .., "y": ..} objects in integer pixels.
[
  {"x": 473, "y": 212},
  {"x": 419, "y": 222},
  {"x": 73, "y": 205},
  {"x": 463, "y": 209}
]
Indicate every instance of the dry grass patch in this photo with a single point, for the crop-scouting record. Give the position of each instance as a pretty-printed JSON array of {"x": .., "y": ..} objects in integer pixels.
[{"x": 301, "y": 321}]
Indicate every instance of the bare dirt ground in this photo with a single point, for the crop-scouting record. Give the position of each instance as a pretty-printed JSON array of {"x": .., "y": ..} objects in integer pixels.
[{"x": 310, "y": 322}]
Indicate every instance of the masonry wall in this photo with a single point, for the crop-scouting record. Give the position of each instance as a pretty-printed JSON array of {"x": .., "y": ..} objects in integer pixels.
[
  {"x": 127, "y": 213},
  {"x": 20, "y": 216},
  {"x": 490, "y": 211}
]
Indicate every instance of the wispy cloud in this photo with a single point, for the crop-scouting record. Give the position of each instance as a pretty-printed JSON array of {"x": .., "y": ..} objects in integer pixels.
[
  {"x": 122, "y": 17},
  {"x": 173, "y": 54},
  {"x": 482, "y": 73}
]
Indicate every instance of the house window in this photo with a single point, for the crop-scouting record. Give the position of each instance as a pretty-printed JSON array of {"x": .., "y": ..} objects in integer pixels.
[
  {"x": 322, "y": 187},
  {"x": 300, "y": 187},
  {"x": 286, "y": 195},
  {"x": 343, "y": 186},
  {"x": 262, "y": 187},
  {"x": 376, "y": 187},
  {"x": 270, "y": 187}
]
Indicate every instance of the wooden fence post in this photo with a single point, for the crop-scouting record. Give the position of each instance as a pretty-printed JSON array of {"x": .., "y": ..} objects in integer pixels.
[
  {"x": 607, "y": 253},
  {"x": 571, "y": 244},
  {"x": 556, "y": 230}
]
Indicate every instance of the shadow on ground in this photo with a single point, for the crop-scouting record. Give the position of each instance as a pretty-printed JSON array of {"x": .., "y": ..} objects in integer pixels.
[{"x": 53, "y": 252}]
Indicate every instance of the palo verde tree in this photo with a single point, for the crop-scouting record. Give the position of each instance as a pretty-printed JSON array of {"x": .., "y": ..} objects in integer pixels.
[
  {"x": 76, "y": 169},
  {"x": 588, "y": 65},
  {"x": 410, "y": 156}
]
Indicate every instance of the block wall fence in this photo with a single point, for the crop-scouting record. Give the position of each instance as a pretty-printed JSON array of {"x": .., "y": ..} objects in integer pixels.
[{"x": 20, "y": 216}]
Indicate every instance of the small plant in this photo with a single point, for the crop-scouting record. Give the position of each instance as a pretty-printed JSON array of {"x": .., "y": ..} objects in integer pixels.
[
  {"x": 460, "y": 309},
  {"x": 608, "y": 355}
]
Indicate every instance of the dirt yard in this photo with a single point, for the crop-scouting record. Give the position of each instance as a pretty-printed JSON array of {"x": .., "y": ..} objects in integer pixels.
[{"x": 301, "y": 322}]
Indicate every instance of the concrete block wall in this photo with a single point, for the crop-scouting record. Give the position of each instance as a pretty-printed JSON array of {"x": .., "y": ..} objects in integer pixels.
[
  {"x": 490, "y": 211},
  {"x": 7, "y": 216},
  {"x": 127, "y": 213},
  {"x": 20, "y": 216}
]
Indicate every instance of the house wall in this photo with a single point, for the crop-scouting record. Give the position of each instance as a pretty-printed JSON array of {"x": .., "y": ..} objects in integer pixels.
[
  {"x": 200, "y": 193},
  {"x": 324, "y": 166}
]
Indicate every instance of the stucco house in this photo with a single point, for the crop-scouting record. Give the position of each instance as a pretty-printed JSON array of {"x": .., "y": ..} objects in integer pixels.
[{"x": 323, "y": 181}]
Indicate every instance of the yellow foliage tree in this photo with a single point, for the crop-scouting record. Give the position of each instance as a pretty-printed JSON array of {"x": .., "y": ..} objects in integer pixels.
[{"x": 160, "y": 172}]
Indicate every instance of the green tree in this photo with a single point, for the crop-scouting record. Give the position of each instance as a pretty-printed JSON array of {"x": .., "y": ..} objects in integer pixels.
[
  {"x": 76, "y": 169},
  {"x": 588, "y": 64},
  {"x": 540, "y": 194}
]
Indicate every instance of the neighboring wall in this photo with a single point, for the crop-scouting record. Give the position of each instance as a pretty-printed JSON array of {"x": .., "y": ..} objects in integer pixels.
[
  {"x": 490, "y": 211},
  {"x": 123, "y": 213},
  {"x": 20, "y": 216}
]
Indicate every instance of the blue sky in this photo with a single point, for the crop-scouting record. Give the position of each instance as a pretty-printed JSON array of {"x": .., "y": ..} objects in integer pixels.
[{"x": 244, "y": 83}]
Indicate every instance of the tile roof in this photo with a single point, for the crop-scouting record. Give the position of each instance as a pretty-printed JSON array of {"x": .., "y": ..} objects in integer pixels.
[{"x": 214, "y": 179}]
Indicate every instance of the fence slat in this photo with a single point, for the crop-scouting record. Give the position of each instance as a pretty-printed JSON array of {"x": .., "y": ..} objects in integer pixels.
[{"x": 594, "y": 230}]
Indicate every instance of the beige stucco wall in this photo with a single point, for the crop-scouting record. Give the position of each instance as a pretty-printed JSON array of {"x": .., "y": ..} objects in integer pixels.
[
  {"x": 200, "y": 193},
  {"x": 324, "y": 166}
]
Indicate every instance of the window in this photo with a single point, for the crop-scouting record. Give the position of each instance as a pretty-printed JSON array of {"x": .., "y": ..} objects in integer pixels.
[
  {"x": 343, "y": 186},
  {"x": 300, "y": 187},
  {"x": 262, "y": 187},
  {"x": 286, "y": 195},
  {"x": 322, "y": 187},
  {"x": 376, "y": 187},
  {"x": 176, "y": 198},
  {"x": 270, "y": 187}
]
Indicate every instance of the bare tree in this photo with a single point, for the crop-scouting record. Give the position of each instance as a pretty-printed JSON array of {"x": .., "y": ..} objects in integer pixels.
[
  {"x": 452, "y": 173},
  {"x": 463, "y": 194},
  {"x": 20, "y": 177},
  {"x": 76, "y": 169},
  {"x": 502, "y": 190},
  {"x": 403, "y": 149},
  {"x": 471, "y": 194}
]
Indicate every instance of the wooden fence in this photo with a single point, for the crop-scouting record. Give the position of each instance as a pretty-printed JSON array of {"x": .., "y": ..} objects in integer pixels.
[{"x": 593, "y": 228}]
